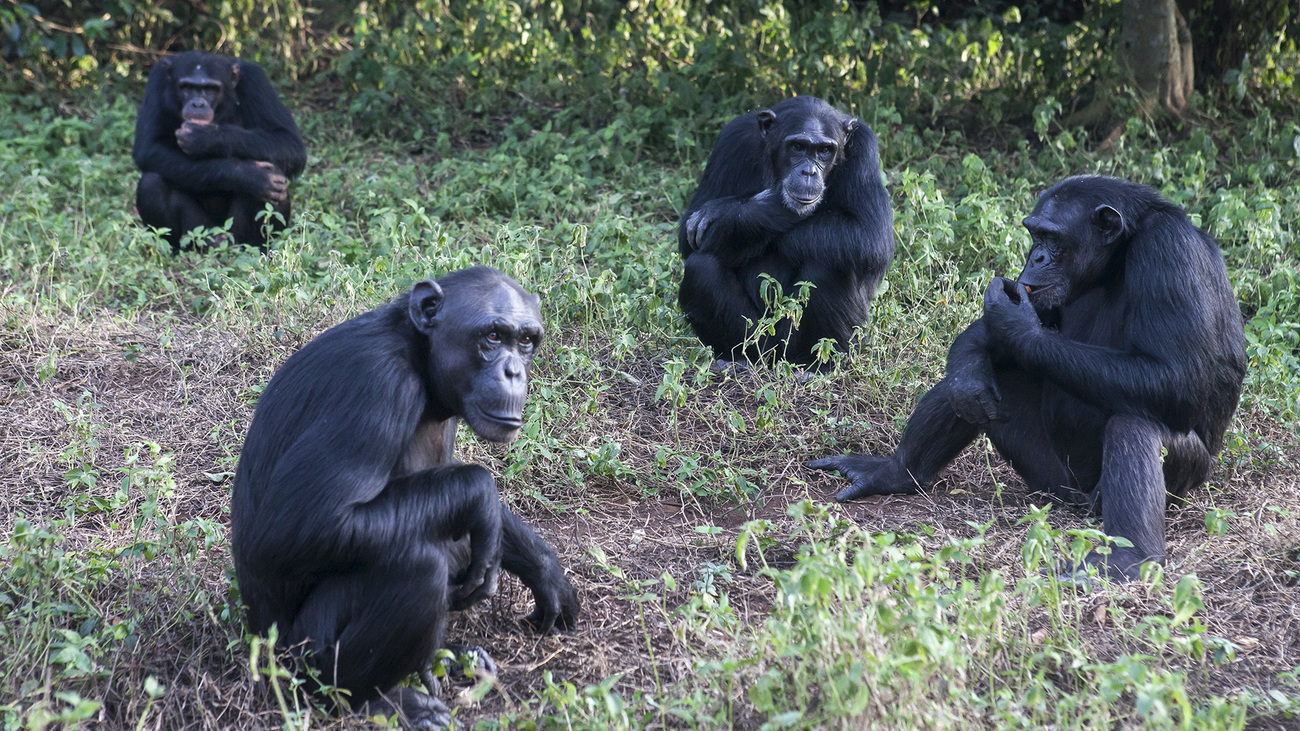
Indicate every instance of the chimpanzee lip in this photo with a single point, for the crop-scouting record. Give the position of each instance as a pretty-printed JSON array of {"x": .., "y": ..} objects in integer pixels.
[
  {"x": 805, "y": 201},
  {"x": 505, "y": 419},
  {"x": 1035, "y": 288}
]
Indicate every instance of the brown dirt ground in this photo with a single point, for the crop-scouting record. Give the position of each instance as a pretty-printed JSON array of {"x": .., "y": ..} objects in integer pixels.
[{"x": 192, "y": 396}]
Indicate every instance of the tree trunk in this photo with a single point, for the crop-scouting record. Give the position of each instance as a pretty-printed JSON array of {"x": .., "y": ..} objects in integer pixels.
[{"x": 1158, "y": 52}]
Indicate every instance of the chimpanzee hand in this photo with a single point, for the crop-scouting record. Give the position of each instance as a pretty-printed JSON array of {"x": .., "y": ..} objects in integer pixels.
[
  {"x": 266, "y": 181},
  {"x": 698, "y": 223},
  {"x": 557, "y": 603},
  {"x": 200, "y": 139},
  {"x": 480, "y": 582},
  {"x": 1008, "y": 314},
  {"x": 974, "y": 396}
]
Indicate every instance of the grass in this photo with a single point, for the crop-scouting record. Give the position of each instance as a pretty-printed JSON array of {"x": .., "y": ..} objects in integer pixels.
[{"x": 720, "y": 588}]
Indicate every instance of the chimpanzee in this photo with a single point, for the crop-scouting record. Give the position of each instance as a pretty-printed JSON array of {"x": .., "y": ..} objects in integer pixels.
[
  {"x": 353, "y": 527},
  {"x": 793, "y": 192},
  {"x": 1107, "y": 374},
  {"x": 214, "y": 143}
]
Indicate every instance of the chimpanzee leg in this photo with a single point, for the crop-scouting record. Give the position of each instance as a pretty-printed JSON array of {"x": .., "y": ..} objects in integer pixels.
[
  {"x": 835, "y": 307},
  {"x": 367, "y": 631},
  {"x": 715, "y": 302},
  {"x": 934, "y": 435},
  {"x": 248, "y": 225},
  {"x": 162, "y": 206},
  {"x": 1025, "y": 442},
  {"x": 1132, "y": 492},
  {"x": 723, "y": 303},
  {"x": 1187, "y": 463}
]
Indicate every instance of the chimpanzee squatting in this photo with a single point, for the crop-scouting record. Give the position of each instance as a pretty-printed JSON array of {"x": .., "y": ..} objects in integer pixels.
[
  {"x": 214, "y": 144},
  {"x": 1121, "y": 338},
  {"x": 794, "y": 192},
  {"x": 353, "y": 528}
]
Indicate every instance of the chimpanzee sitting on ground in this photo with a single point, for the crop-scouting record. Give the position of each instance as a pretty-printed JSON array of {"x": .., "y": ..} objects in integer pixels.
[
  {"x": 793, "y": 192},
  {"x": 214, "y": 144},
  {"x": 353, "y": 527},
  {"x": 1112, "y": 367}
]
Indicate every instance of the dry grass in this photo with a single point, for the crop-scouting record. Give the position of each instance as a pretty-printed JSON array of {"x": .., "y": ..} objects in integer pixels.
[{"x": 189, "y": 389}]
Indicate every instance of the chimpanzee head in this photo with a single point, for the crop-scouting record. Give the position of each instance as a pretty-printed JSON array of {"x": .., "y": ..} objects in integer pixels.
[
  {"x": 201, "y": 83},
  {"x": 803, "y": 139},
  {"x": 483, "y": 330},
  {"x": 1077, "y": 229}
]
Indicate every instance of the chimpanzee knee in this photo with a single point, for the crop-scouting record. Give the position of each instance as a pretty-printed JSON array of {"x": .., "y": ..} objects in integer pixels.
[{"x": 365, "y": 633}]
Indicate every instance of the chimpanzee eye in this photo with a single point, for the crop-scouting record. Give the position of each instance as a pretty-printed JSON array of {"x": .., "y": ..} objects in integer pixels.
[
  {"x": 526, "y": 341},
  {"x": 494, "y": 337},
  {"x": 798, "y": 146}
]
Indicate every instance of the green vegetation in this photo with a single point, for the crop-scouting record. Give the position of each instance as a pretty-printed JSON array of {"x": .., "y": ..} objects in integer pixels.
[{"x": 558, "y": 142}]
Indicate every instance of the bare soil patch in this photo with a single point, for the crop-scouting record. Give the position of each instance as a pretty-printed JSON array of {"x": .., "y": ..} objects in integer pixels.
[{"x": 190, "y": 388}]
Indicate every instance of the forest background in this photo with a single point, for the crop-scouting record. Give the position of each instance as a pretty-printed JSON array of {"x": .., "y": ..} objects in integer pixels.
[{"x": 559, "y": 142}]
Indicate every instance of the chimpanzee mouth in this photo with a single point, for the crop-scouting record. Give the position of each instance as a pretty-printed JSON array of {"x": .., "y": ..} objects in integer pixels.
[
  {"x": 506, "y": 420},
  {"x": 1039, "y": 288},
  {"x": 799, "y": 204}
]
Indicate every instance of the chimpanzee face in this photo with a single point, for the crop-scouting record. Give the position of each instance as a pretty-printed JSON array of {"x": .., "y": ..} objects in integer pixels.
[
  {"x": 1073, "y": 243},
  {"x": 483, "y": 336},
  {"x": 202, "y": 86},
  {"x": 803, "y": 148}
]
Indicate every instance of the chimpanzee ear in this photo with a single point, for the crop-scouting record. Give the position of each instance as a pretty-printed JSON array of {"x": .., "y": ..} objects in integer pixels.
[
  {"x": 850, "y": 124},
  {"x": 234, "y": 73},
  {"x": 765, "y": 120},
  {"x": 1109, "y": 222},
  {"x": 426, "y": 303}
]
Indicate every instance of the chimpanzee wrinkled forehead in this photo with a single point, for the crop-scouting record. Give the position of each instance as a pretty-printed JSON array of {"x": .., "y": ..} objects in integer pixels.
[
  {"x": 197, "y": 65},
  {"x": 808, "y": 114},
  {"x": 487, "y": 292}
]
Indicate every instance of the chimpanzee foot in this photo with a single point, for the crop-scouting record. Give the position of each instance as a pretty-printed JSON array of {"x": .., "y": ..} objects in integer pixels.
[
  {"x": 454, "y": 666},
  {"x": 483, "y": 662},
  {"x": 722, "y": 365},
  {"x": 870, "y": 475},
  {"x": 415, "y": 710}
]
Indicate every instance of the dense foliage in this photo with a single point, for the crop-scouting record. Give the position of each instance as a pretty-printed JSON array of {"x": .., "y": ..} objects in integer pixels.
[{"x": 558, "y": 142}]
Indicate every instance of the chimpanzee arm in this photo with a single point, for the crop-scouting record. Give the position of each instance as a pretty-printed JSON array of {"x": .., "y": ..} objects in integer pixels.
[
  {"x": 972, "y": 385},
  {"x": 853, "y": 229},
  {"x": 329, "y": 501},
  {"x": 736, "y": 230},
  {"x": 155, "y": 149},
  {"x": 1163, "y": 375},
  {"x": 526, "y": 555},
  {"x": 268, "y": 132},
  {"x": 737, "y": 214}
]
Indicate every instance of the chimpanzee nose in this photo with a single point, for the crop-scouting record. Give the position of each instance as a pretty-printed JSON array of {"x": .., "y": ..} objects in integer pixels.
[{"x": 1040, "y": 257}]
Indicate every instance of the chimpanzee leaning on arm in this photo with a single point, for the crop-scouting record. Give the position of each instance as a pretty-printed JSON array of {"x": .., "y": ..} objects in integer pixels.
[
  {"x": 214, "y": 143},
  {"x": 1107, "y": 374},
  {"x": 353, "y": 527},
  {"x": 793, "y": 192}
]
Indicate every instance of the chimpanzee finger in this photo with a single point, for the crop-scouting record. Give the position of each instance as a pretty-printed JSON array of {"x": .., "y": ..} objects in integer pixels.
[
  {"x": 543, "y": 617},
  {"x": 825, "y": 463},
  {"x": 482, "y": 584}
]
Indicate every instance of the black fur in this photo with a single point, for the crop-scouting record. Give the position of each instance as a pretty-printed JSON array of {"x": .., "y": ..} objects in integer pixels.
[
  {"x": 1130, "y": 341},
  {"x": 353, "y": 527},
  {"x": 742, "y": 222},
  {"x": 218, "y": 178}
]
